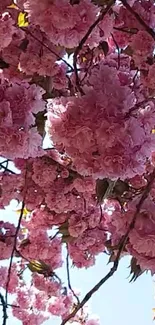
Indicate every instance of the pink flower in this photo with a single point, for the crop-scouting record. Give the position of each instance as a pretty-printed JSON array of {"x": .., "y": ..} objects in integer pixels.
[
  {"x": 46, "y": 250},
  {"x": 7, "y": 233},
  {"x": 44, "y": 171},
  {"x": 149, "y": 81},
  {"x": 76, "y": 226},
  {"x": 142, "y": 43},
  {"x": 59, "y": 306},
  {"x": 27, "y": 144},
  {"x": 141, "y": 239},
  {"x": 6, "y": 30},
  {"x": 94, "y": 132},
  {"x": 43, "y": 58},
  {"x": 4, "y": 4},
  {"x": 14, "y": 279},
  {"x": 92, "y": 322},
  {"x": 52, "y": 288},
  {"x": 64, "y": 25},
  {"x": 5, "y": 113}
]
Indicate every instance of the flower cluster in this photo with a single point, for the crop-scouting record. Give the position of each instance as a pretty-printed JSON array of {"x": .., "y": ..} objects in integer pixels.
[
  {"x": 77, "y": 145},
  {"x": 95, "y": 131},
  {"x": 18, "y": 104},
  {"x": 65, "y": 25},
  {"x": 6, "y": 30}
]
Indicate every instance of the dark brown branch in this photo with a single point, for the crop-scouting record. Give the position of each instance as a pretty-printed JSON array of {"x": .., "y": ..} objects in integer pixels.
[
  {"x": 68, "y": 279},
  {"x": 48, "y": 48},
  {"x": 135, "y": 108},
  {"x": 14, "y": 246},
  {"x": 4, "y": 308},
  {"x": 12, "y": 254},
  {"x": 89, "y": 66},
  {"x": 139, "y": 19},
  {"x": 6, "y": 169},
  {"x": 126, "y": 30},
  {"x": 120, "y": 250},
  {"x": 118, "y": 50},
  {"x": 54, "y": 236},
  {"x": 5, "y": 161},
  {"x": 10, "y": 305},
  {"x": 83, "y": 41}
]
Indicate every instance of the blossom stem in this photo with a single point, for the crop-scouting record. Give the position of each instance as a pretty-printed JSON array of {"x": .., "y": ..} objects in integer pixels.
[
  {"x": 139, "y": 19},
  {"x": 122, "y": 244},
  {"x": 68, "y": 278},
  {"x": 4, "y": 307},
  {"x": 83, "y": 41}
]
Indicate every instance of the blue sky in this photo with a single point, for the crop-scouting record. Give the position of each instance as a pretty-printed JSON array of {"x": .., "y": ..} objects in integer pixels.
[{"x": 118, "y": 302}]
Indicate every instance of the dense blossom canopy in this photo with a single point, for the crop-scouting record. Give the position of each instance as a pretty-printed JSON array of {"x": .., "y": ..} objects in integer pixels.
[{"x": 77, "y": 147}]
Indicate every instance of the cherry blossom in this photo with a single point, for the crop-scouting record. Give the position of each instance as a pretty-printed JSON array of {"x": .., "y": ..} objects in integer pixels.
[{"x": 77, "y": 148}]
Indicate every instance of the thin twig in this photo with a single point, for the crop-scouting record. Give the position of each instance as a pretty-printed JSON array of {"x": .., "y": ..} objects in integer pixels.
[
  {"x": 118, "y": 50},
  {"x": 134, "y": 108},
  {"x": 139, "y": 19},
  {"x": 14, "y": 246},
  {"x": 84, "y": 39},
  {"x": 57, "y": 277},
  {"x": 54, "y": 236},
  {"x": 89, "y": 66},
  {"x": 4, "y": 308},
  {"x": 21, "y": 255},
  {"x": 117, "y": 259},
  {"x": 9, "y": 305},
  {"x": 53, "y": 274},
  {"x": 5, "y": 161},
  {"x": 13, "y": 250},
  {"x": 48, "y": 48},
  {"x": 68, "y": 279},
  {"x": 126, "y": 30},
  {"x": 133, "y": 80},
  {"x": 6, "y": 169}
]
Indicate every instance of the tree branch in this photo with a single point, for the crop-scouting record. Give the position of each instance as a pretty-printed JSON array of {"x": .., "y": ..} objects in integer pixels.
[
  {"x": 6, "y": 169},
  {"x": 118, "y": 50},
  {"x": 4, "y": 308},
  {"x": 14, "y": 248},
  {"x": 120, "y": 250},
  {"x": 47, "y": 47},
  {"x": 139, "y": 19},
  {"x": 68, "y": 279},
  {"x": 126, "y": 30},
  {"x": 12, "y": 254},
  {"x": 84, "y": 39}
]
